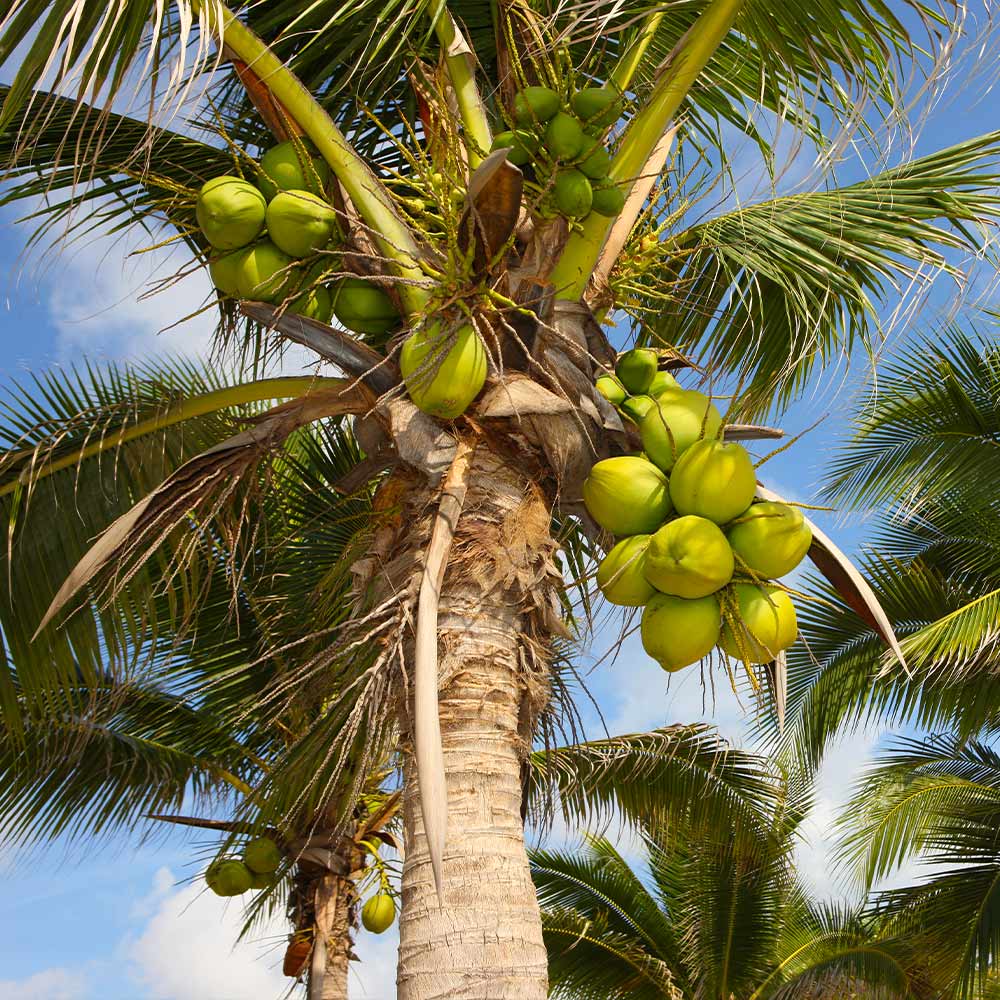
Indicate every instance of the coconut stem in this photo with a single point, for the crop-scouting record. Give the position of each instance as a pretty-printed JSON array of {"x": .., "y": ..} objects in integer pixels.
[
  {"x": 458, "y": 58},
  {"x": 682, "y": 67},
  {"x": 393, "y": 236}
]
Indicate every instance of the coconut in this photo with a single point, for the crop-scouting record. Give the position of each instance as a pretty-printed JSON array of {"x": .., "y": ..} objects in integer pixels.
[
  {"x": 443, "y": 372},
  {"x": 289, "y": 166},
  {"x": 678, "y": 632},
  {"x": 225, "y": 272},
  {"x": 620, "y": 575},
  {"x": 258, "y": 881},
  {"x": 627, "y": 495},
  {"x": 689, "y": 557},
  {"x": 596, "y": 163},
  {"x": 770, "y": 538},
  {"x": 535, "y": 105},
  {"x": 300, "y": 223},
  {"x": 680, "y": 418},
  {"x": 573, "y": 194},
  {"x": 364, "y": 307},
  {"x": 262, "y": 856},
  {"x": 713, "y": 480},
  {"x": 314, "y": 304},
  {"x": 597, "y": 107},
  {"x": 662, "y": 382},
  {"x": 766, "y": 625},
  {"x": 522, "y": 145},
  {"x": 611, "y": 389},
  {"x": 637, "y": 407},
  {"x": 378, "y": 913},
  {"x": 564, "y": 137},
  {"x": 265, "y": 274},
  {"x": 228, "y": 877},
  {"x": 636, "y": 369},
  {"x": 230, "y": 212},
  {"x": 609, "y": 200}
]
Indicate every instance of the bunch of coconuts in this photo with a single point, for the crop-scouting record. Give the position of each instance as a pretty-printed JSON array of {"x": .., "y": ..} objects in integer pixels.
[
  {"x": 261, "y": 858},
  {"x": 696, "y": 551},
  {"x": 562, "y": 145},
  {"x": 272, "y": 242}
]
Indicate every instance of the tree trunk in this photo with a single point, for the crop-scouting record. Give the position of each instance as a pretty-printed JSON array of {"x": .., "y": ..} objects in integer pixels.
[
  {"x": 332, "y": 949},
  {"x": 485, "y": 941}
]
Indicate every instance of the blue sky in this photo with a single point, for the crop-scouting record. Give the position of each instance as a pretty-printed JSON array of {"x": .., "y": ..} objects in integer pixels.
[{"x": 115, "y": 920}]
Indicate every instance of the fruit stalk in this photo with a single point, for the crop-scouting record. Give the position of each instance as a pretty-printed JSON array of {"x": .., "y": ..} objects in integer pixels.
[
  {"x": 575, "y": 266},
  {"x": 458, "y": 59},
  {"x": 391, "y": 233}
]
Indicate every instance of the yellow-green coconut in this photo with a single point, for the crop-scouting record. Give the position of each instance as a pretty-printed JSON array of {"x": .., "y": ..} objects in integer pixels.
[
  {"x": 230, "y": 212},
  {"x": 621, "y": 575},
  {"x": 444, "y": 371},
  {"x": 662, "y": 382},
  {"x": 573, "y": 194},
  {"x": 766, "y": 623},
  {"x": 611, "y": 389},
  {"x": 535, "y": 105},
  {"x": 636, "y": 407},
  {"x": 608, "y": 200},
  {"x": 314, "y": 304},
  {"x": 378, "y": 913},
  {"x": 265, "y": 273},
  {"x": 262, "y": 856},
  {"x": 290, "y": 166},
  {"x": 680, "y": 417},
  {"x": 228, "y": 877},
  {"x": 770, "y": 538},
  {"x": 597, "y": 107},
  {"x": 225, "y": 271},
  {"x": 689, "y": 557},
  {"x": 636, "y": 368},
  {"x": 300, "y": 223},
  {"x": 713, "y": 480},
  {"x": 564, "y": 137},
  {"x": 627, "y": 495},
  {"x": 362, "y": 306},
  {"x": 677, "y": 632}
]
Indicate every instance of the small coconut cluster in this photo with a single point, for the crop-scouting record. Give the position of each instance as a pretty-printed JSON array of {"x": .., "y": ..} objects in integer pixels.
[
  {"x": 255, "y": 869},
  {"x": 696, "y": 551},
  {"x": 273, "y": 242},
  {"x": 562, "y": 145}
]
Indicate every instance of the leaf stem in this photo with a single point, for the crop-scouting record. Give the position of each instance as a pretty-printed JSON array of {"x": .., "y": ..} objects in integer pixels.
[{"x": 625, "y": 71}]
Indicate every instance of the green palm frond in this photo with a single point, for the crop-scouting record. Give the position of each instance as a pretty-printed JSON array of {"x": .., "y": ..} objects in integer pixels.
[{"x": 814, "y": 270}]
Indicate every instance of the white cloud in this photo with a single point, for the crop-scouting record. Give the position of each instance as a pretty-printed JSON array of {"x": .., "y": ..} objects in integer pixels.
[{"x": 51, "y": 984}]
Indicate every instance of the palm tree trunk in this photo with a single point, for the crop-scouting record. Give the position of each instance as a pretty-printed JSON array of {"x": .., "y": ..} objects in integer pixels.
[
  {"x": 485, "y": 941},
  {"x": 332, "y": 950}
]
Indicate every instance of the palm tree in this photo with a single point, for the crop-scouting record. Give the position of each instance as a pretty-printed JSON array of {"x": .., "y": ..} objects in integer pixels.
[
  {"x": 710, "y": 917},
  {"x": 761, "y": 293}
]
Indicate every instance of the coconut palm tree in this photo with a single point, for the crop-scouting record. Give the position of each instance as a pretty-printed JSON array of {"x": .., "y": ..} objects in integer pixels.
[{"x": 457, "y": 601}]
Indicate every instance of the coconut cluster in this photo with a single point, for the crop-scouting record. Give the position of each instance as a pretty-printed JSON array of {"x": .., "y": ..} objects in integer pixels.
[
  {"x": 696, "y": 551},
  {"x": 255, "y": 869},
  {"x": 274, "y": 241},
  {"x": 562, "y": 145}
]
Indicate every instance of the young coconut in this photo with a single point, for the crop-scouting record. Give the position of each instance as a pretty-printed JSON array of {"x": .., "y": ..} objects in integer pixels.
[
  {"x": 621, "y": 574},
  {"x": 713, "y": 480},
  {"x": 564, "y": 138},
  {"x": 637, "y": 407},
  {"x": 611, "y": 389},
  {"x": 609, "y": 199},
  {"x": 689, "y": 557},
  {"x": 573, "y": 194},
  {"x": 290, "y": 167},
  {"x": 597, "y": 107},
  {"x": 362, "y": 306},
  {"x": 265, "y": 273},
  {"x": 595, "y": 163},
  {"x": 300, "y": 223},
  {"x": 262, "y": 856},
  {"x": 678, "y": 632},
  {"x": 627, "y": 495},
  {"x": 444, "y": 372},
  {"x": 314, "y": 304},
  {"x": 680, "y": 417},
  {"x": 378, "y": 913},
  {"x": 228, "y": 877},
  {"x": 522, "y": 145},
  {"x": 770, "y": 538},
  {"x": 662, "y": 382},
  {"x": 259, "y": 881},
  {"x": 535, "y": 105},
  {"x": 766, "y": 625},
  {"x": 636, "y": 368},
  {"x": 225, "y": 272},
  {"x": 230, "y": 212}
]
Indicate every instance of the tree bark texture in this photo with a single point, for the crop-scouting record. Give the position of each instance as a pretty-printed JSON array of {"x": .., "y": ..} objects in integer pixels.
[
  {"x": 332, "y": 948},
  {"x": 497, "y": 609}
]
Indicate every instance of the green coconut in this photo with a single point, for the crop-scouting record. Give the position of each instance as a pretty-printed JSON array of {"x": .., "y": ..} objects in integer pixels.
[
  {"x": 766, "y": 626},
  {"x": 678, "y": 632},
  {"x": 258, "y": 881},
  {"x": 770, "y": 538},
  {"x": 314, "y": 304},
  {"x": 228, "y": 877},
  {"x": 689, "y": 557},
  {"x": 680, "y": 417},
  {"x": 573, "y": 194},
  {"x": 265, "y": 273},
  {"x": 637, "y": 407},
  {"x": 262, "y": 856},
  {"x": 609, "y": 199},
  {"x": 290, "y": 167},
  {"x": 230, "y": 212},
  {"x": 627, "y": 495},
  {"x": 522, "y": 145},
  {"x": 662, "y": 382},
  {"x": 378, "y": 913},
  {"x": 362, "y": 306},
  {"x": 300, "y": 223},
  {"x": 597, "y": 107},
  {"x": 636, "y": 369},
  {"x": 714, "y": 480},
  {"x": 225, "y": 271},
  {"x": 620, "y": 575},
  {"x": 596, "y": 163},
  {"x": 564, "y": 137},
  {"x": 443, "y": 373},
  {"x": 535, "y": 105},
  {"x": 611, "y": 389}
]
